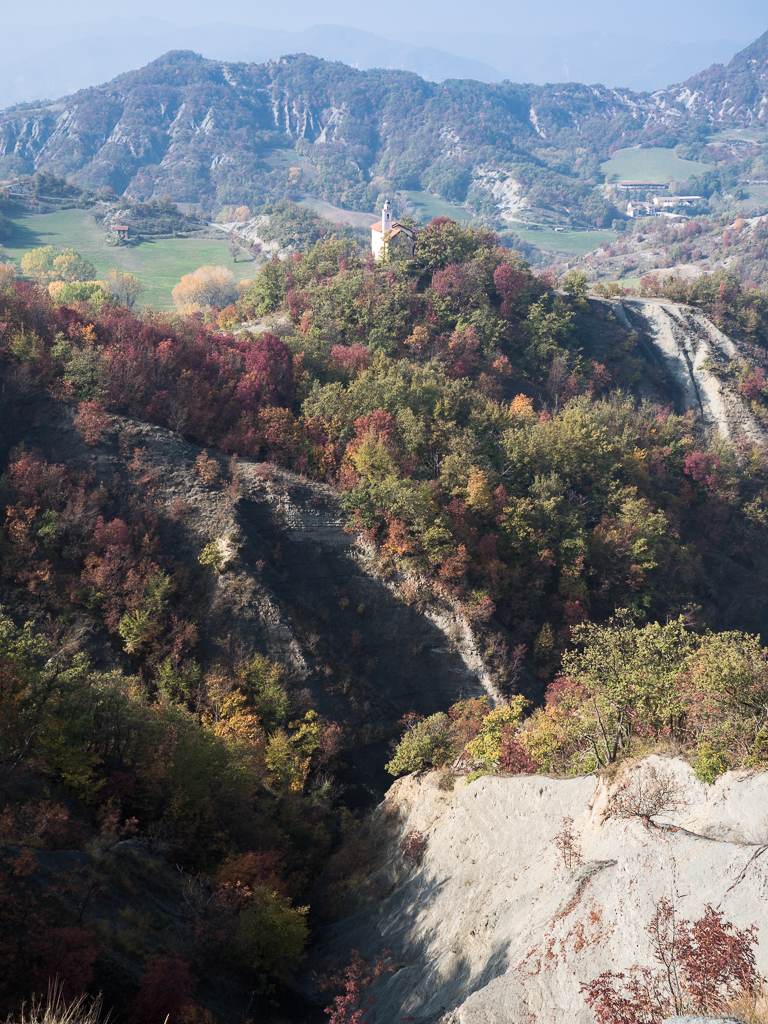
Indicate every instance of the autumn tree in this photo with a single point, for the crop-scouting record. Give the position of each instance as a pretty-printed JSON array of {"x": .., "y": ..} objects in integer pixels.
[
  {"x": 7, "y": 272},
  {"x": 38, "y": 264},
  {"x": 66, "y": 293},
  {"x": 269, "y": 289},
  {"x": 700, "y": 967},
  {"x": 166, "y": 988},
  {"x": 352, "y": 983},
  {"x": 91, "y": 422},
  {"x": 444, "y": 242},
  {"x": 621, "y": 674},
  {"x": 576, "y": 284},
  {"x": 206, "y": 287},
  {"x": 644, "y": 792},
  {"x": 124, "y": 287},
  {"x": 272, "y": 934},
  {"x": 231, "y": 214},
  {"x": 48, "y": 264}
]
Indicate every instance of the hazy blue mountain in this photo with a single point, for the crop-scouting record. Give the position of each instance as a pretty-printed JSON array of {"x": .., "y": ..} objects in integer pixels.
[
  {"x": 50, "y": 61},
  {"x": 641, "y": 64}
]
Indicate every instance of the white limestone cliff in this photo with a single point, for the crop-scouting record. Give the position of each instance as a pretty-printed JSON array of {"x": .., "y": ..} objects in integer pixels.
[{"x": 492, "y": 926}]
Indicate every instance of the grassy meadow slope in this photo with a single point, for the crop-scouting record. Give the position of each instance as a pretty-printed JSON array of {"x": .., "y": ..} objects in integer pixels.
[
  {"x": 654, "y": 163},
  {"x": 158, "y": 263}
]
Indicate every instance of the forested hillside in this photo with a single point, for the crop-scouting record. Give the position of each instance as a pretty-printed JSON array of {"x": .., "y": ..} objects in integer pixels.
[
  {"x": 218, "y": 134},
  {"x": 456, "y": 405},
  {"x": 181, "y": 684},
  {"x": 348, "y": 519}
]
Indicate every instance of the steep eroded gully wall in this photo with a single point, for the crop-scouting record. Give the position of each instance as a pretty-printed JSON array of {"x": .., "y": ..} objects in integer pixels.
[
  {"x": 297, "y": 586},
  {"x": 688, "y": 367},
  {"x": 493, "y": 926},
  {"x": 370, "y": 656},
  {"x": 688, "y": 346}
]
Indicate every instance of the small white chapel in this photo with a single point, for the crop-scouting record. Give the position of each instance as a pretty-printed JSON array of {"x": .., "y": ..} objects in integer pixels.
[{"x": 388, "y": 238}]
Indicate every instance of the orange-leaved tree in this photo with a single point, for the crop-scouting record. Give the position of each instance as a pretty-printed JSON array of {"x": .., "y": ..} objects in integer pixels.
[{"x": 206, "y": 287}]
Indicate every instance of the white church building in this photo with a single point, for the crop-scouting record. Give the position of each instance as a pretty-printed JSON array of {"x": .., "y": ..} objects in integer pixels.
[{"x": 390, "y": 238}]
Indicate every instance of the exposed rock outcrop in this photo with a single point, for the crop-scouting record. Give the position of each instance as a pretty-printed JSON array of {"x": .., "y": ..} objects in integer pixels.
[
  {"x": 494, "y": 925},
  {"x": 702, "y": 1020},
  {"x": 693, "y": 351}
]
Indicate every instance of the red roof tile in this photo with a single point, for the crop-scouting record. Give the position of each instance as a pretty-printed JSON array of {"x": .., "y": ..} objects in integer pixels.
[{"x": 395, "y": 227}]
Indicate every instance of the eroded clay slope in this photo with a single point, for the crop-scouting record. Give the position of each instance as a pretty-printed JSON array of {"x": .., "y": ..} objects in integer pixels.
[
  {"x": 493, "y": 926},
  {"x": 689, "y": 346}
]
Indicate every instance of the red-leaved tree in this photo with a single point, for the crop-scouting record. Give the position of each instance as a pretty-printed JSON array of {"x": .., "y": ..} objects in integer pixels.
[
  {"x": 702, "y": 966},
  {"x": 352, "y": 982},
  {"x": 91, "y": 422},
  {"x": 167, "y": 986}
]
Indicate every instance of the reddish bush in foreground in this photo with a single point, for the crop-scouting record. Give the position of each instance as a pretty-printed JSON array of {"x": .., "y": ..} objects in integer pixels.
[
  {"x": 515, "y": 757},
  {"x": 413, "y": 848},
  {"x": 352, "y": 983},
  {"x": 166, "y": 988},
  {"x": 567, "y": 842},
  {"x": 702, "y": 966},
  {"x": 754, "y": 384}
]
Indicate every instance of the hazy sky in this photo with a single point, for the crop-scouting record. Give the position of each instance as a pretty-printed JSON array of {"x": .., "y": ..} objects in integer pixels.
[{"x": 679, "y": 19}]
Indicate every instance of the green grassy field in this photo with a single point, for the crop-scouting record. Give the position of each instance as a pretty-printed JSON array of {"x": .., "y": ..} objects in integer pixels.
[
  {"x": 758, "y": 197},
  {"x": 429, "y": 206},
  {"x": 573, "y": 243},
  {"x": 159, "y": 265},
  {"x": 739, "y": 135},
  {"x": 656, "y": 164},
  {"x": 339, "y": 215}
]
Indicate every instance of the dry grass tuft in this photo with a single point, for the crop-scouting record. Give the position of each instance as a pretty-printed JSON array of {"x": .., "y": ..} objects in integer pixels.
[
  {"x": 55, "y": 1010},
  {"x": 750, "y": 1007}
]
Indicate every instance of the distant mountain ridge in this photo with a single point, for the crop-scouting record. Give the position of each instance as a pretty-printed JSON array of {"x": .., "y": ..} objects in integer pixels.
[
  {"x": 219, "y": 132},
  {"x": 731, "y": 95},
  {"x": 56, "y": 60},
  {"x": 64, "y": 59}
]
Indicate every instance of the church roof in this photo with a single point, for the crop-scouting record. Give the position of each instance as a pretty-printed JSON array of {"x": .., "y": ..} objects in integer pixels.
[{"x": 395, "y": 228}]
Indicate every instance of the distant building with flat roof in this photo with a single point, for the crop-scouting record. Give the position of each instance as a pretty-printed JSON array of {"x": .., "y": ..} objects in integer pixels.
[
  {"x": 654, "y": 209},
  {"x": 670, "y": 201},
  {"x": 643, "y": 184},
  {"x": 636, "y": 209}
]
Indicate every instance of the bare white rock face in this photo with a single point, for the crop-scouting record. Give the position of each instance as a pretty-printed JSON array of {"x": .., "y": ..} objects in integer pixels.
[{"x": 493, "y": 926}]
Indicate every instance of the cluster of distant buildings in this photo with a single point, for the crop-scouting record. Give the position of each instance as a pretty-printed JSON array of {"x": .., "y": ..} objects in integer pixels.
[{"x": 659, "y": 206}]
